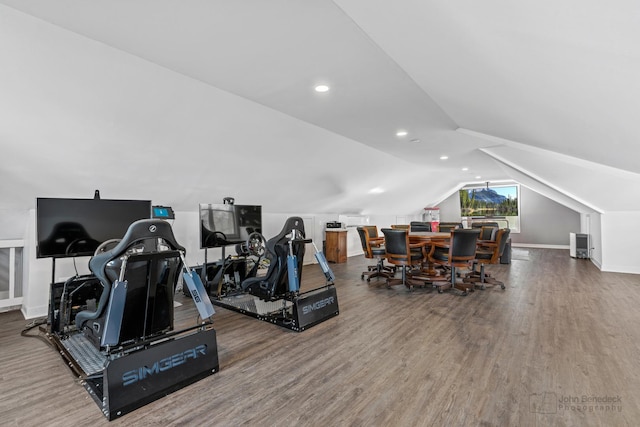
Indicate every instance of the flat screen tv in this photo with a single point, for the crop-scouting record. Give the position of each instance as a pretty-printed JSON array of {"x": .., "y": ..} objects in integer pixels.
[
  {"x": 489, "y": 201},
  {"x": 75, "y": 227},
  {"x": 224, "y": 224}
]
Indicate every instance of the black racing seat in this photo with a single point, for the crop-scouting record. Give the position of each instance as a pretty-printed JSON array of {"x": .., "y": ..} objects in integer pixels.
[
  {"x": 139, "y": 276},
  {"x": 274, "y": 284}
]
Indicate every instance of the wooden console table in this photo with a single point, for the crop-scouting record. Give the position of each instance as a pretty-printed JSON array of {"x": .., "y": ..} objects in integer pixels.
[{"x": 336, "y": 245}]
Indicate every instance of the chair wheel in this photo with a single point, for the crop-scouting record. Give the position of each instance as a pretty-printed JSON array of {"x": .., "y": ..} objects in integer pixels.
[
  {"x": 362, "y": 277},
  {"x": 464, "y": 294},
  {"x": 503, "y": 287},
  {"x": 368, "y": 279}
]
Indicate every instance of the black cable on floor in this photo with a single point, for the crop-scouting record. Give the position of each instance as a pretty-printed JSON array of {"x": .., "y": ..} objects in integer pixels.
[{"x": 35, "y": 324}]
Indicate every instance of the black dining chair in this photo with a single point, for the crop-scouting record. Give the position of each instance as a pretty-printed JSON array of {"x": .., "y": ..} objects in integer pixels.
[
  {"x": 488, "y": 252},
  {"x": 445, "y": 227},
  {"x": 406, "y": 255},
  {"x": 458, "y": 252},
  {"x": 373, "y": 248},
  {"x": 420, "y": 226}
]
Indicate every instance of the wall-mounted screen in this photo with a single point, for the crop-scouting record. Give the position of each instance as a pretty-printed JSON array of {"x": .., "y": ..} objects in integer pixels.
[
  {"x": 75, "y": 227},
  {"x": 224, "y": 224},
  {"x": 489, "y": 201}
]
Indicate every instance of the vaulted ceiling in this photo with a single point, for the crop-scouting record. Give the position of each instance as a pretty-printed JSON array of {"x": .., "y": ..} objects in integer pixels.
[{"x": 189, "y": 101}]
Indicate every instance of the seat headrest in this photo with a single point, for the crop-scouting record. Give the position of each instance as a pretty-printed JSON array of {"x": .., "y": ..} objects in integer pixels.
[
  {"x": 292, "y": 223},
  {"x": 138, "y": 231}
]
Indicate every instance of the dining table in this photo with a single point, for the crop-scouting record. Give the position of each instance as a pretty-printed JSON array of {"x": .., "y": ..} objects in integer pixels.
[{"x": 426, "y": 239}]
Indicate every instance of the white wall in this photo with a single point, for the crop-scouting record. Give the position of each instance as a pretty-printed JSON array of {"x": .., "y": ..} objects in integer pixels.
[
  {"x": 619, "y": 247},
  {"x": 450, "y": 208},
  {"x": 590, "y": 225},
  {"x": 544, "y": 221}
]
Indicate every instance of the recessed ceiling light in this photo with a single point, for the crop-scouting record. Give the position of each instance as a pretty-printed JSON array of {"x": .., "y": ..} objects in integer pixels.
[
  {"x": 322, "y": 88},
  {"x": 376, "y": 190},
  {"x": 402, "y": 133},
  {"x": 478, "y": 177},
  {"x": 444, "y": 157},
  {"x": 465, "y": 169}
]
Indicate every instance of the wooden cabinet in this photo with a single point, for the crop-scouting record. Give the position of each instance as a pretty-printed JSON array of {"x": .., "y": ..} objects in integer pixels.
[{"x": 336, "y": 246}]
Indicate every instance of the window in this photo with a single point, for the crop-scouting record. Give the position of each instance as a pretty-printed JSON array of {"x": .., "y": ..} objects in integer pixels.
[{"x": 497, "y": 203}]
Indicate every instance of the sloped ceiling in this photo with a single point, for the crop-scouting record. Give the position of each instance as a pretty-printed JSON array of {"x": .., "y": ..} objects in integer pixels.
[{"x": 204, "y": 99}]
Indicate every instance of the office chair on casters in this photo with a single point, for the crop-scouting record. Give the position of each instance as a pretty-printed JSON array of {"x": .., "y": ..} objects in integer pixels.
[
  {"x": 373, "y": 248},
  {"x": 488, "y": 252},
  {"x": 405, "y": 255},
  {"x": 138, "y": 276},
  {"x": 376, "y": 240},
  {"x": 457, "y": 253},
  {"x": 274, "y": 284}
]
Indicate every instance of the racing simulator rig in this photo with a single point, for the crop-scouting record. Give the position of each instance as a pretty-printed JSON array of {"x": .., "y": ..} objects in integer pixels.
[
  {"x": 275, "y": 297},
  {"x": 115, "y": 326}
]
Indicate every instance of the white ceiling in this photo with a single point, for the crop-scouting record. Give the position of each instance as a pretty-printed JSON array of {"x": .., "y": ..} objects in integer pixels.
[{"x": 541, "y": 92}]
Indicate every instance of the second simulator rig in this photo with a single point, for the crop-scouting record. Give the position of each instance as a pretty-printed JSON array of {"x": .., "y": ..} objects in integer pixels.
[{"x": 275, "y": 297}]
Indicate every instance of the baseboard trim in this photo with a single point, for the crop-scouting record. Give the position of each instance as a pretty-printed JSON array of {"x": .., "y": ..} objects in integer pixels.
[{"x": 538, "y": 245}]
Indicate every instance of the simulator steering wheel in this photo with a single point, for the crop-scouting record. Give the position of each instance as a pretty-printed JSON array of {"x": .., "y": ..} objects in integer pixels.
[
  {"x": 256, "y": 244},
  {"x": 215, "y": 238},
  {"x": 105, "y": 246}
]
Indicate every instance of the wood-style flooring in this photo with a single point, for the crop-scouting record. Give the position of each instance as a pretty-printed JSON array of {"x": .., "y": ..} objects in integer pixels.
[{"x": 559, "y": 347}]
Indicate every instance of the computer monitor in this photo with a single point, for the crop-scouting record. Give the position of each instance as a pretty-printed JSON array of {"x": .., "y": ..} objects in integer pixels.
[
  {"x": 76, "y": 227},
  {"x": 225, "y": 224}
]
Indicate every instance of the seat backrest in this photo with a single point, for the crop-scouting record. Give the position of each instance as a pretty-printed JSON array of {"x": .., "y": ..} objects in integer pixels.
[
  {"x": 500, "y": 243},
  {"x": 141, "y": 236},
  {"x": 364, "y": 237},
  {"x": 275, "y": 283},
  {"x": 372, "y": 230},
  {"x": 480, "y": 224},
  {"x": 398, "y": 248},
  {"x": 400, "y": 226},
  {"x": 463, "y": 244},
  {"x": 502, "y": 237},
  {"x": 420, "y": 226},
  {"x": 149, "y": 260},
  {"x": 448, "y": 226},
  {"x": 487, "y": 232},
  {"x": 396, "y": 241},
  {"x": 148, "y": 304}
]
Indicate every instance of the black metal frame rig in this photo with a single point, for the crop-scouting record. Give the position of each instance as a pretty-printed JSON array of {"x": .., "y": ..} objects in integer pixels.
[
  {"x": 293, "y": 310},
  {"x": 124, "y": 378}
]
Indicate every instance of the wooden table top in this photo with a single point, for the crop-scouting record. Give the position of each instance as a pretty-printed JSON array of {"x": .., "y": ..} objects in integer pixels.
[{"x": 428, "y": 235}]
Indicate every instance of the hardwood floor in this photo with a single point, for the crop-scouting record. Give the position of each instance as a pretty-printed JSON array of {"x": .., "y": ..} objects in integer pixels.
[{"x": 561, "y": 331}]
